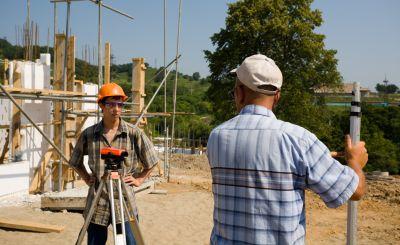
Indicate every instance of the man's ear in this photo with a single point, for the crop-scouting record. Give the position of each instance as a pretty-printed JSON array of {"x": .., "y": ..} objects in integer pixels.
[
  {"x": 101, "y": 105},
  {"x": 240, "y": 94},
  {"x": 277, "y": 96}
]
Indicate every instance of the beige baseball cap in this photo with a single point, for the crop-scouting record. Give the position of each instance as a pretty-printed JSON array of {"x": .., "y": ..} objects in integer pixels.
[{"x": 258, "y": 70}]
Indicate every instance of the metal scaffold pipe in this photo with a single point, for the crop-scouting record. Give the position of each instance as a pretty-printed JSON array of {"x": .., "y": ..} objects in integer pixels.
[
  {"x": 176, "y": 78},
  {"x": 33, "y": 123}
]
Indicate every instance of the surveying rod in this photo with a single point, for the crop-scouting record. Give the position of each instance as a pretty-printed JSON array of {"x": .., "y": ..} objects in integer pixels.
[{"x": 355, "y": 126}]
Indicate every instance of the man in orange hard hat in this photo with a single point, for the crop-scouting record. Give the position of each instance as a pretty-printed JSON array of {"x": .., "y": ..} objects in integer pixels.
[{"x": 112, "y": 131}]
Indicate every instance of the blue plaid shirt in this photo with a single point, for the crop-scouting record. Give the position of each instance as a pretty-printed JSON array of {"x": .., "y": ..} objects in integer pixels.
[{"x": 260, "y": 168}]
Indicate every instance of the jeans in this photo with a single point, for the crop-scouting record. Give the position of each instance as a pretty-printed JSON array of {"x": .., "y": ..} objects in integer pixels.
[{"x": 97, "y": 234}]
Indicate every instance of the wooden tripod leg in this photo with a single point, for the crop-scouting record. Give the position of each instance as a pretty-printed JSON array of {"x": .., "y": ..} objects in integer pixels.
[
  {"x": 133, "y": 221},
  {"x": 91, "y": 212}
]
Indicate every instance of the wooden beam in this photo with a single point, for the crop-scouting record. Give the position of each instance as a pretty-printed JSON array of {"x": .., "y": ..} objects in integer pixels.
[
  {"x": 3, "y": 154},
  {"x": 70, "y": 67},
  {"x": 70, "y": 122},
  {"x": 138, "y": 92},
  {"x": 29, "y": 226},
  {"x": 5, "y": 71},
  {"x": 38, "y": 180},
  {"x": 16, "y": 113},
  {"x": 58, "y": 84},
  {"x": 107, "y": 63}
]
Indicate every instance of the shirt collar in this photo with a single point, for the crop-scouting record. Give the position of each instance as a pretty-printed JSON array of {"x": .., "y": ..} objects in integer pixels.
[
  {"x": 122, "y": 127},
  {"x": 257, "y": 110}
]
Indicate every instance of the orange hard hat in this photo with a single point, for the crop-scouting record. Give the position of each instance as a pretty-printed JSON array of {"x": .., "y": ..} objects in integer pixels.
[{"x": 111, "y": 90}]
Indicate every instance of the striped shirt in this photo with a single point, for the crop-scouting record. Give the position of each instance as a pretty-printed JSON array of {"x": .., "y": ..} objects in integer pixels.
[
  {"x": 141, "y": 155},
  {"x": 260, "y": 168}
]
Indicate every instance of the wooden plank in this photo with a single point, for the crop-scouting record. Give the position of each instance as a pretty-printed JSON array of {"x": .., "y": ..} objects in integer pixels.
[
  {"x": 146, "y": 188},
  {"x": 38, "y": 180},
  {"x": 164, "y": 192},
  {"x": 30, "y": 226},
  {"x": 70, "y": 68},
  {"x": 107, "y": 57}
]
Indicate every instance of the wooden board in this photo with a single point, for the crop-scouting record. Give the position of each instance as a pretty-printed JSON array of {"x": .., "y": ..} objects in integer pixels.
[
  {"x": 29, "y": 226},
  {"x": 107, "y": 57}
]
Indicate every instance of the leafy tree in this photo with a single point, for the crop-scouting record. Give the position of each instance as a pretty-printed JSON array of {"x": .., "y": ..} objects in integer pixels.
[
  {"x": 387, "y": 89},
  {"x": 196, "y": 76},
  {"x": 284, "y": 31}
]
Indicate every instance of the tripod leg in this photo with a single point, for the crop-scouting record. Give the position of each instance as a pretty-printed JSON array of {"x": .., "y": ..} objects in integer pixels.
[
  {"x": 90, "y": 213},
  {"x": 111, "y": 197},
  {"x": 121, "y": 197},
  {"x": 134, "y": 223}
]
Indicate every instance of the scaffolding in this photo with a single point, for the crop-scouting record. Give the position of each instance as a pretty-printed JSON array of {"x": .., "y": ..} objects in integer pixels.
[{"x": 67, "y": 98}]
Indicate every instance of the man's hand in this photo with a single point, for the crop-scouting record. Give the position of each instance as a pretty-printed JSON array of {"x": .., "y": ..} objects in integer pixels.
[
  {"x": 356, "y": 155},
  {"x": 133, "y": 181},
  {"x": 90, "y": 180}
]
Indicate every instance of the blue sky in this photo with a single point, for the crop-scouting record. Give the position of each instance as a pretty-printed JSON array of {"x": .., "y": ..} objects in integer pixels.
[{"x": 364, "y": 32}]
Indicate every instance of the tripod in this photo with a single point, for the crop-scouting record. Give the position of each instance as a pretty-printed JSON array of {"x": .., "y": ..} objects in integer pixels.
[{"x": 113, "y": 172}]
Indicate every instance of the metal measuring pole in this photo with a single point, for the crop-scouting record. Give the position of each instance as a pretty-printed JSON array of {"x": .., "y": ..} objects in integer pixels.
[{"x": 355, "y": 126}]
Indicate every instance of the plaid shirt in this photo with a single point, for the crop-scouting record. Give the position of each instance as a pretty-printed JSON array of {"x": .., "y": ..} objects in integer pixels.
[
  {"x": 141, "y": 155},
  {"x": 260, "y": 168}
]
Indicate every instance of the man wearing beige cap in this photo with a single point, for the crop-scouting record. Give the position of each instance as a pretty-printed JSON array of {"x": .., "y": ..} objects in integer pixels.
[{"x": 261, "y": 166}]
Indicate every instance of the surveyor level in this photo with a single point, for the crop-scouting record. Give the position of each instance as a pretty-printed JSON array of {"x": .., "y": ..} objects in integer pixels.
[{"x": 113, "y": 172}]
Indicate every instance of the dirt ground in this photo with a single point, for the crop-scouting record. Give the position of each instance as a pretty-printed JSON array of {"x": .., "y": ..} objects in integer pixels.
[{"x": 184, "y": 214}]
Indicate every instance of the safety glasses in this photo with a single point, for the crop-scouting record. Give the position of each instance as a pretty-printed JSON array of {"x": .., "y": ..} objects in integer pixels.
[{"x": 111, "y": 104}]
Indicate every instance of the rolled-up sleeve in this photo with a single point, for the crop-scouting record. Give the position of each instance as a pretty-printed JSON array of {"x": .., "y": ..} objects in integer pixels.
[
  {"x": 79, "y": 151},
  {"x": 332, "y": 181}
]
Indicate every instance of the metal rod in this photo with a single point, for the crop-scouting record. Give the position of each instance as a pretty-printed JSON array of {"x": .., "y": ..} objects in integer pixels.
[
  {"x": 33, "y": 123},
  {"x": 112, "y": 9},
  {"x": 176, "y": 75},
  {"x": 165, "y": 86},
  {"x": 54, "y": 37},
  {"x": 10, "y": 114},
  {"x": 152, "y": 98},
  {"x": 99, "y": 77},
  {"x": 166, "y": 169},
  {"x": 355, "y": 128},
  {"x": 56, "y": 98}
]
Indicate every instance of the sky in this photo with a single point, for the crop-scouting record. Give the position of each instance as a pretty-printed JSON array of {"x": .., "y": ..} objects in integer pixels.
[{"x": 365, "y": 33}]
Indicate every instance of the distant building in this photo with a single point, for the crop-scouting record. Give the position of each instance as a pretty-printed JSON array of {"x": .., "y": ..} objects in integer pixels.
[{"x": 345, "y": 89}]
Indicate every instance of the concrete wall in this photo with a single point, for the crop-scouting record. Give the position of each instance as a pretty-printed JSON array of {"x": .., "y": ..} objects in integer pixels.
[{"x": 14, "y": 177}]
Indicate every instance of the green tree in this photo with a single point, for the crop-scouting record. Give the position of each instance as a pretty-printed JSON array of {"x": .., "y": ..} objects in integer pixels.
[
  {"x": 284, "y": 31},
  {"x": 387, "y": 89},
  {"x": 196, "y": 76}
]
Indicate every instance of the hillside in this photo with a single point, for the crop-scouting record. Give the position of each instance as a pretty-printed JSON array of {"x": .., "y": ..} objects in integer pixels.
[{"x": 190, "y": 93}]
